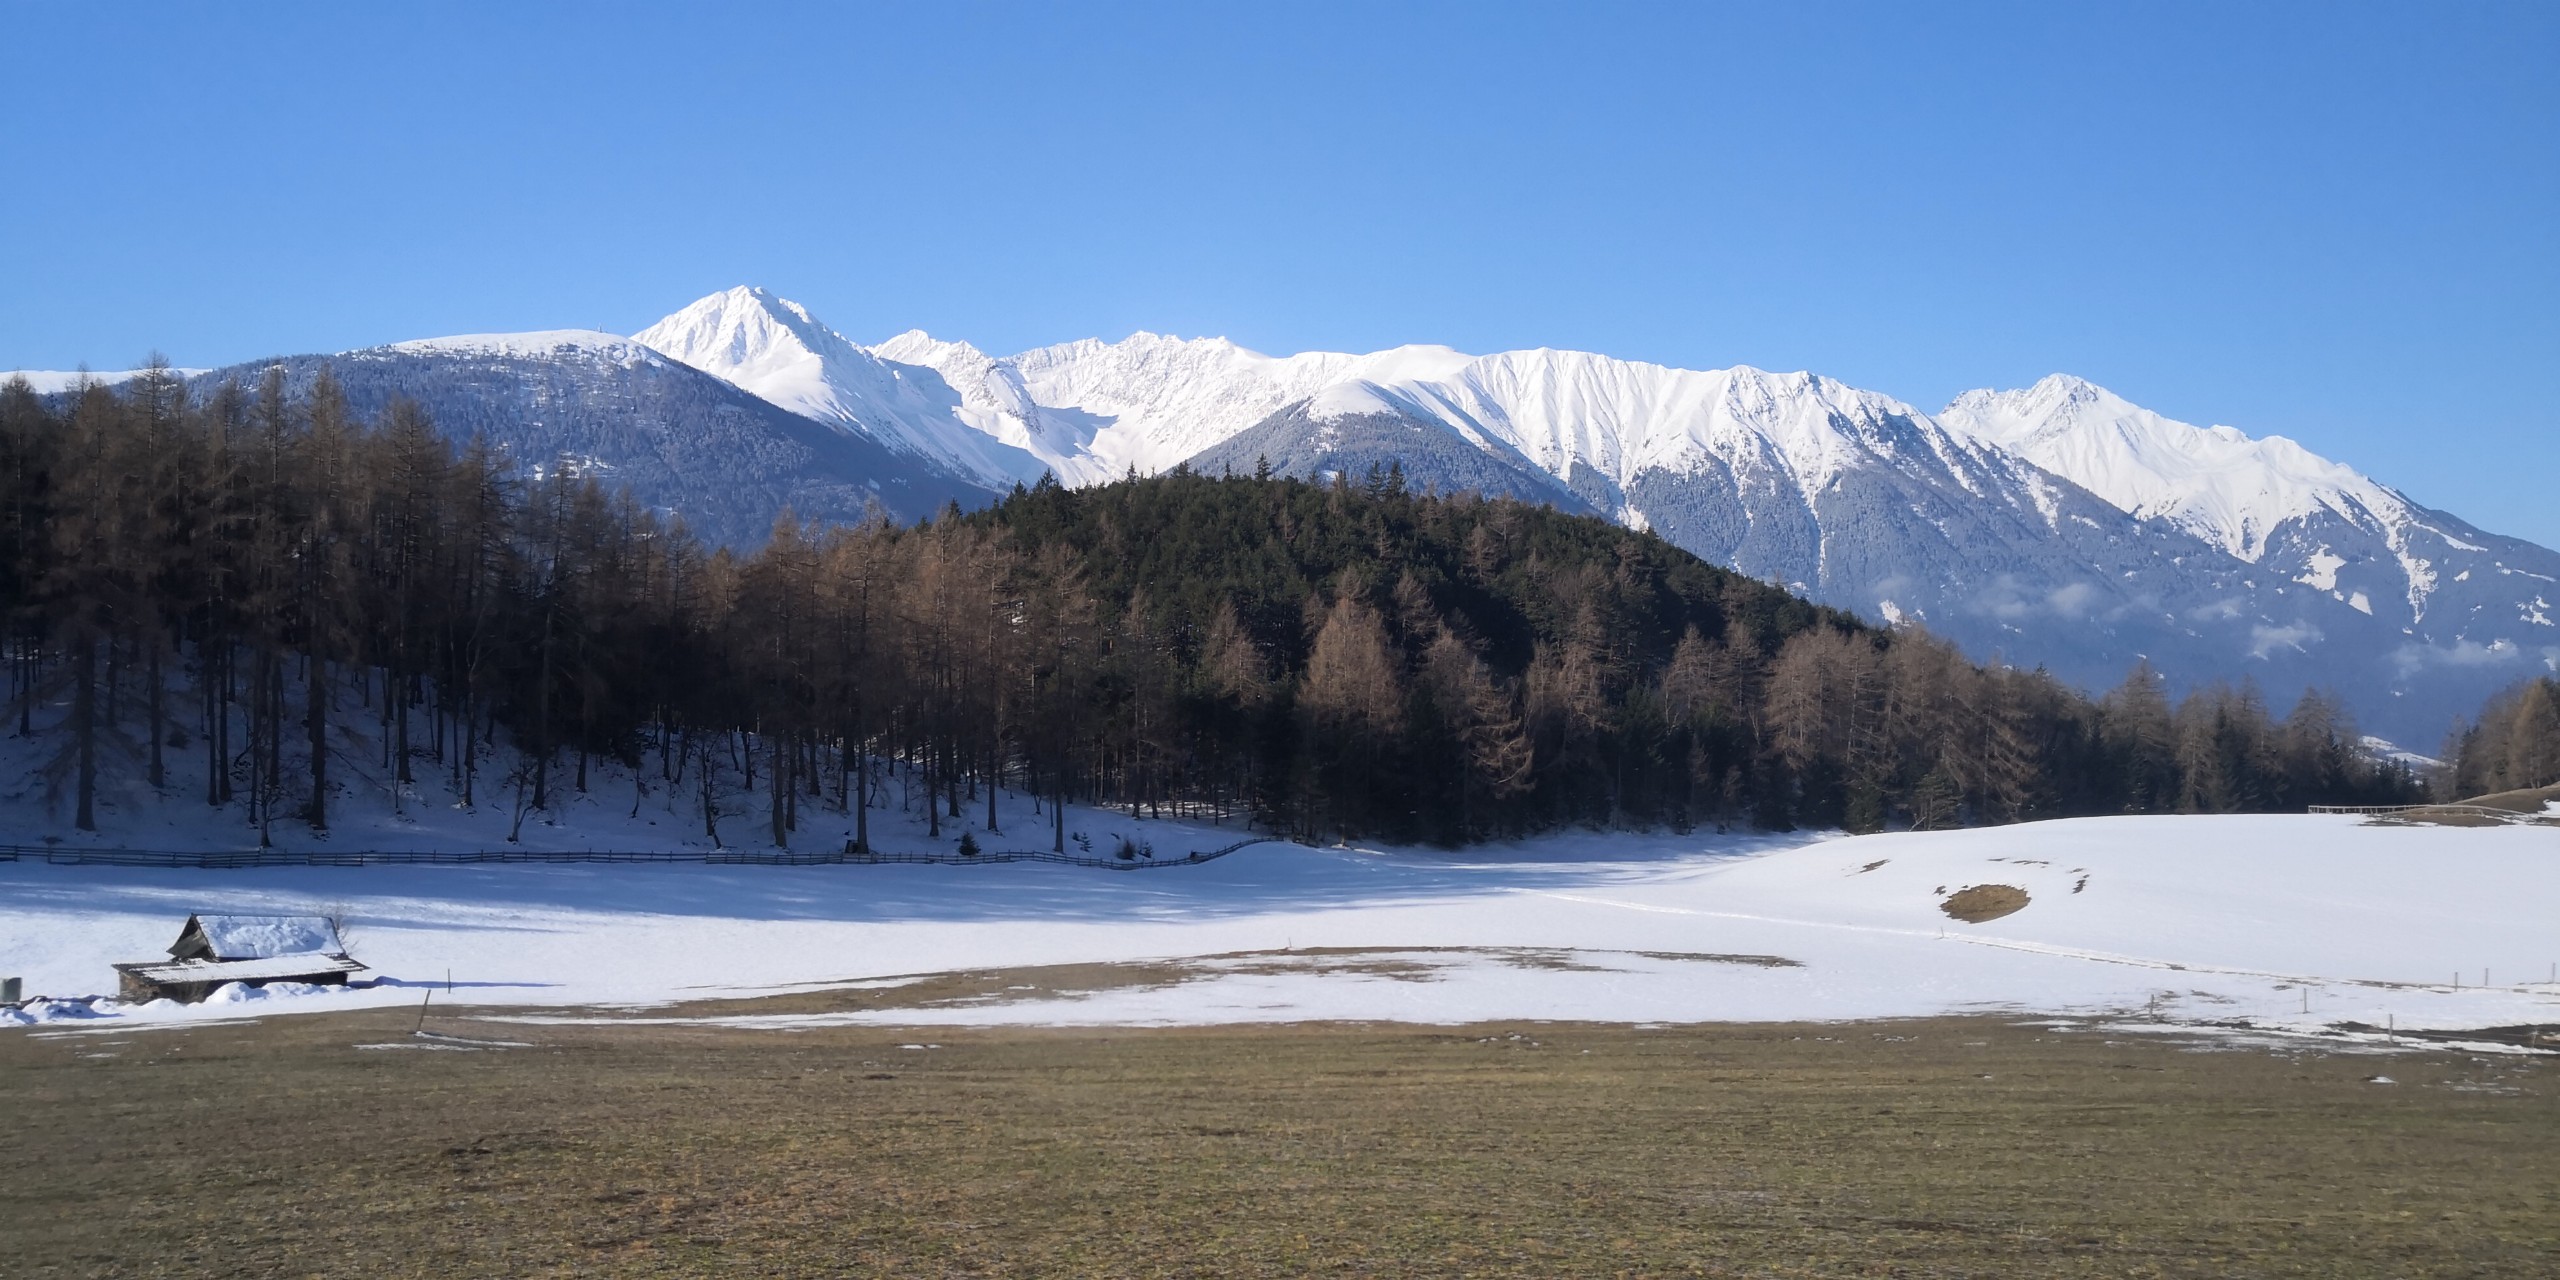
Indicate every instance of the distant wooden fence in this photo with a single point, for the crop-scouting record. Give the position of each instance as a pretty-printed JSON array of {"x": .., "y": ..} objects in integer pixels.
[
  {"x": 2413, "y": 808},
  {"x": 230, "y": 860}
]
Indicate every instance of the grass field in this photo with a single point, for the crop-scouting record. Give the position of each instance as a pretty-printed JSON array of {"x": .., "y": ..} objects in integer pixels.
[{"x": 1926, "y": 1148}]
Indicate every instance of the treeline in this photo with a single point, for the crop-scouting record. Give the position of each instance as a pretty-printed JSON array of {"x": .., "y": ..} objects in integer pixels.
[
  {"x": 250, "y": 575},
  {"x": 2514, "y": 745}
]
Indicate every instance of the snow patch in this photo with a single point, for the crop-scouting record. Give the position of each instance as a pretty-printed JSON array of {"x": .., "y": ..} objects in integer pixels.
[
  {"x": 2321, "y": 573},
  {"x": 2203, "y": 919}
]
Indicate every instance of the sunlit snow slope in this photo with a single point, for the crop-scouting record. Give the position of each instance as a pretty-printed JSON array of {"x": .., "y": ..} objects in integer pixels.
[
  {"x": 2286, "y": 922},
  {"x": 2273, "y": 503}
]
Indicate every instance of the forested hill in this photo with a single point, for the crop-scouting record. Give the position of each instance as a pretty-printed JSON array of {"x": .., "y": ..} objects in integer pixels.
[
  {"x": 273, "y": 583},
  {"x": 1355, "y": 656},
  {"x": 1506, "y": 576},
  {"x": 1361, "y": 658}
]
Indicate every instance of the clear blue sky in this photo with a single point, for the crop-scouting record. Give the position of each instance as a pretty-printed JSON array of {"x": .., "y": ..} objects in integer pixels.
[{"x": 2335, "y": 222}]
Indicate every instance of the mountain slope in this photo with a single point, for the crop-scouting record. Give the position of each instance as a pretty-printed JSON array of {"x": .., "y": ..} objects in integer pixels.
[
  {"x": 1086, "y": 411},
  {"x": 775, "y": 349},
  {"x": 680, "y": 440},
  {"x": 2454, "y": 596},
  {"x": 1854, "y": 498}
]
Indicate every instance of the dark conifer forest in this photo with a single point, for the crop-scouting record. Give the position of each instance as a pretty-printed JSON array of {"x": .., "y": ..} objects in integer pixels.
[
  {"x": 2513, "y": 746},
  {"x": 236, "y": 572}
]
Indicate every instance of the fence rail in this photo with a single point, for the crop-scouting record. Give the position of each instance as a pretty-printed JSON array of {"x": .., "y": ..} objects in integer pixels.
[
  {"x": 2386, "y": 809},
  {"x": 230, "y": 860}
]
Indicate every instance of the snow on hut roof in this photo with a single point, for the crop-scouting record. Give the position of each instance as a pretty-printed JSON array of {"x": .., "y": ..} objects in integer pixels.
[
  {"x": 274, "y": 969},
  {"x": 259, "y": 937}
]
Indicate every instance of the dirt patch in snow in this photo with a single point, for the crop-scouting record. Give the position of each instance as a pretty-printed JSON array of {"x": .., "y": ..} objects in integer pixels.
[
  {"x": 989, "y": 988},
  {"x": 1977, "y": 903}
]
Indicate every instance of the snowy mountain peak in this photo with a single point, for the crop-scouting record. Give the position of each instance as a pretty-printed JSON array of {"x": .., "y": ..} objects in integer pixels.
[
  {"x": 915, "y": 346},
  {"x": 2218, "y": 483},
  {"x": 748, "y": 336},
  {"x": 2450, "y": 595},
  {"x": 777, "y": 349}
]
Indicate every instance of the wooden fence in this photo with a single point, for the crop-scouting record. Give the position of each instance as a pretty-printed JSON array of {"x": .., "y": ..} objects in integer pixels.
[{"x": 2387, "y": 809}]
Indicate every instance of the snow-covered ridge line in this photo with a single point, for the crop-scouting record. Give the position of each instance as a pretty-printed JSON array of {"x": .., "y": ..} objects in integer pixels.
[
  {"x": 55, "y": 381},
  {"x": 534, "y": 345},
  {"x": 772, "y": 347},
  {"x": 1088, "y": 410},
  {"x": 2266, "y": 501},
  {"x": 2217, "y": 482}
]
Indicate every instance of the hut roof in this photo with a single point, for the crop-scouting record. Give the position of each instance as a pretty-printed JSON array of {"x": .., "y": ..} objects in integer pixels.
[
  {"x": 228, "y": 937},
  {"x": 274, "y": 969}
]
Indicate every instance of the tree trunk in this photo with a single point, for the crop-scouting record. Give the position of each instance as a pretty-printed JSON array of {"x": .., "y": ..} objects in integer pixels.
[
  {"x": 542, "y": 721},
  {"x": 275, "y": 736},
  {"x": 862, "y": 799},
  {"x": 466, "y": 760},
  {"x": 710, "y": 794},
  {"x": 84, "y": 723},
  {"x": 400, "y": 737},
  {"x": 315, "y": 715},
  {"x": 152, "y": 711},
  {"x": 781, "y": 794},
  {"x": 213, "y": 727}
]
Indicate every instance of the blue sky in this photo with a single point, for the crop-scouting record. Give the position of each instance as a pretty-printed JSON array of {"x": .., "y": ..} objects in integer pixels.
[{"x": 2334, "y": 222}]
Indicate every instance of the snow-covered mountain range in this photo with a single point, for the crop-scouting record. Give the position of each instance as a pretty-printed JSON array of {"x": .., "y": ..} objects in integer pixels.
[
  {"x": 677, "y": 439},
  {"x": 2271, "y": 503},
  {"x": 2058, "y": 525}
]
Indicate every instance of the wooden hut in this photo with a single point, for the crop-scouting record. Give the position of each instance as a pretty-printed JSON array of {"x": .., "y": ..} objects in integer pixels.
[{"x": 213, "y": 950}]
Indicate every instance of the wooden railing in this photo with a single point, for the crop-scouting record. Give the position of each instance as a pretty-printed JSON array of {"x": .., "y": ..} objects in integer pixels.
[{"x": 2388, "y": 809}]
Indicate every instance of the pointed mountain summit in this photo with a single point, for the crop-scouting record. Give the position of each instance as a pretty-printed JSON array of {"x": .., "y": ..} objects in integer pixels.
[
  {"x": 774, "y": 348},
  {"x": 2216, "y": 482},
  {"x": 2459, "y": 595}
]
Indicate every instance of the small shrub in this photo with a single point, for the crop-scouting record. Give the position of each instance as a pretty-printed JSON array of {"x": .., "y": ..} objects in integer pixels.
[{"x": 968, "y": 844}]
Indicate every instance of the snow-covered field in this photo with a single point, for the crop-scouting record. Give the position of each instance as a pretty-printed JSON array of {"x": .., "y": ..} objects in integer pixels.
[{"x": 2288, "y": 922}]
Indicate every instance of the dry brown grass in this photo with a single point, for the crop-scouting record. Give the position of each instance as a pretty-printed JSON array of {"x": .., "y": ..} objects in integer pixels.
[
  {"x": 2531, "y": 800},
  {"x": 1977, "y": 903},
  {"x": 1952, "y": 1147},
  {"x": 2527, "y": 806}
]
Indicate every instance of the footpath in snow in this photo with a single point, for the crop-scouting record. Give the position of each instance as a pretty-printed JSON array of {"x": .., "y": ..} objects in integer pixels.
[{"x": 2286, "y": 922}]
